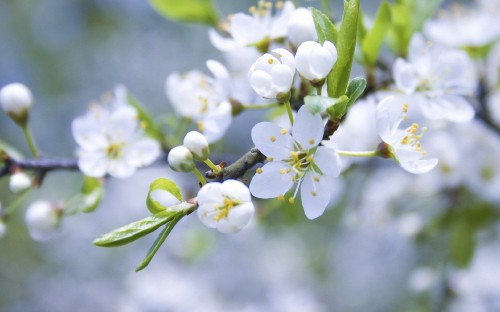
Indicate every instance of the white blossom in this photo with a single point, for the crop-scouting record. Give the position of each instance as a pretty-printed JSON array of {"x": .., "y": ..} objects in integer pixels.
[
  {"x": 111, "y": 141},
  {"x": 19, "y": 182},
  {"x": 197, "y": 144},
  {"x": 181, "y": 159},
  {"x": 438, "y": 79},
  {"x": 300, "y": 27},
  {"x": 42, "y": 219},
  {"x": 271, "y": 76},
  {"x": 226, "y": 206},
  {"x": 16, "y": 100},
  {"x": 297, "y": 159},
  {"x": 315, "y": 61},
  {"x": 405, "y": 144},
  {"x": 203, "y": 99}
]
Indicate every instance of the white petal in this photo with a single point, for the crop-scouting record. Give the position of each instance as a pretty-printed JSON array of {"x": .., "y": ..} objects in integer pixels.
[
  {"x": 222, "y": 43},
  {"x": 279, "y": 23},
  {"x": 268, "y": 138},
  {"x": 88, "y": 133},
  {"x": 419, "y": 166},
  {"x": 262, "y": 82},
  {"x": 206, "y": 214},
  {"x": 271, "y": 183},
  {"x": 240, "y": 215},
  {"x": 120, "y": 168},
  {"x": 328, "y": 161},
  {"x": 225, "y": 227},
  {"x": 123, "y": 122},
  {"x": 282, "y": 77},
  {"x": 307, "y": 128},
  {"x": 315, "y": 195},
  {"x": 143, "y": 152},
  {"x": 246, "y": 29},
  {"x": 456, "y": 108},
  {"x": 404, "y": 76},
  {"x": 210, "y": 194},
  {"x": 216, "y": 121},
  {"x": 221, "y": 75},
  {"x": 389, "y": 115},
  {"x": 92, "y": 164},
  {"x": 236, "y": 189}
]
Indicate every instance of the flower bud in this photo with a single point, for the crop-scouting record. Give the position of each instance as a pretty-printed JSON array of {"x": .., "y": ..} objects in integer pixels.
[
  {"x": 197, "y": 144},
  {"x": 19, "y": 182},
  {"x": 300, "y": 27},
  {"x": 16, "y": 101},
  {"x": 180, "y": 159},
  {"x": 314, "y": 61},
  {"x": 42, "y": 219}
]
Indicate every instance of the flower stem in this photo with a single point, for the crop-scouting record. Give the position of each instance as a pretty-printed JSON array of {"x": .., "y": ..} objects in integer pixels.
[
  {"x": 318, "y": 90},
  {"x": 16, "y": 202},
  {"x": 358, "y": 154},
  {"x": 289, "y": 111},
  {"x": 200, "y": 177},
  {"x": 216, "y": 169},
  {"x": 259, "y": 106},
  {"x": 31, "y": 142}
]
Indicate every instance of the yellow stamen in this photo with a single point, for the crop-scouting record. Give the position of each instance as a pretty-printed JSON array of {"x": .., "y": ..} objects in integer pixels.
[
  {"x": 273, "y": 139},
  {"x": 259, "y": 170}
]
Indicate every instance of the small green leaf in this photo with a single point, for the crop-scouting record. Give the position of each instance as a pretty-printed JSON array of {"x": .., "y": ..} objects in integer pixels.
[
  {"x": 355, "y": 89},
  {"x": 346, "y": 44},
  {"x": 324, "y": 27},
  {"x": 151, "y": 128},
  {"x": 158, "y": 242},
  {"x": 163, "y": 185},
  {"x": 133, "y": 231},
  {"x": 198, "y": 11},
  {"x": 317, "y": 104},
  {"x": 92, "y": 191},
  {"x": 372, "y": 41}
]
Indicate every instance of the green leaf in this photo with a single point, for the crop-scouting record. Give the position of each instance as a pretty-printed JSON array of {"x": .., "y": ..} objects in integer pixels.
[
  {"x": 158, "y": 242},
  {"x": 317, "y": 104},
  {"x": 151, "y": 128},
  {"x": 346, "y": 44},
  {"x": 198, "y": 11},
  {"x": 133, "y": 231},
  {"x": 355, "y": 89},
  {"x": 92, "y": 192},
  {"x": 372, "y": 41},
  {"x": 462, "y": 243},
  {"x": 163, "y": 185},
  {"x": 400, "y": 31},
  {"x": 324, "y": 27}
]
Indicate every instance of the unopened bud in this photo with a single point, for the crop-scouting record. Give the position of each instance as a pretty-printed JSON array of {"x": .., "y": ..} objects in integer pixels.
[
  {"x": 300, "y": 27},
  {"x": 180, "y": 159},
  {"x": 197, "y": 144},
  {"x": 19, "y": 182},
  {"x": 42, "y": 219},
  {"x": 315, "y": 61},
  {"x": 16, "y": 101}
]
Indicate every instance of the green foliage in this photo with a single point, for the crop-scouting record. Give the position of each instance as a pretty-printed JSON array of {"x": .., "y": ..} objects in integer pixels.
[
  {"x": 324, "y": 27},
  {"x": 163, "y": 185},
  {"x": 401, "y": 31},
  {"x": 338, "y": 79},
  {"x": 371, "y": 41},
  {"x": 197, "y": 11},
  {"x": 317, "y": 104},
  {"x": 92, "y": 192},
  {"x": 354, "y": 90}
]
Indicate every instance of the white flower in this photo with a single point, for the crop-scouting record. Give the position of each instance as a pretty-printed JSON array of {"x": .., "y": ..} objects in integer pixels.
[
  {"x": 19, "y": 182},
  {"x": 259, "y": 28},
  {"x": 197, "y": 144},
  {"x": 16, "y": 101},
  {"x": 271, "y": 76},
  {"x": 180, "y": 159},
  {"x": 314, "y": 61},
  {"x": 300, "y": 27},
  {"x": 405, "y": 144},
  {"x": 111, "y": 141},
  {"x": 203, "y": 99},
  {"x": 438, "y": 78},
  {"x": 293, "y": 159},
  {"x": 42, "y": 219},
  {"x": 226, "y": 206}
]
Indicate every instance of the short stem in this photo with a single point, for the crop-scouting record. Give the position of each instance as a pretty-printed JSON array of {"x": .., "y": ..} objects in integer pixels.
[
  {"x": 200, "y": 177},
  {"x": 318, "y": 90},
  {"x": 216, "y": 169},
  {"x": 289, "y": 111},
  {"x": 358, "y": 154},
  {"x": 259, "y": 106},
  {"x": 31, "y": 143}
]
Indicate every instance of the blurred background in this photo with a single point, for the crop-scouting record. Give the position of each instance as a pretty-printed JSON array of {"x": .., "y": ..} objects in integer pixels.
[{"x": 355, "y": 258}]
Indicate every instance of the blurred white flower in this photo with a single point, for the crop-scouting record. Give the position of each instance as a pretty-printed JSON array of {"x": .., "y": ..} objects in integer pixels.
[
  {"x": 315, "y": 61},
  {"x": 422, "y": 279},
  {"x": 203, "y": 99},
  {"x": 19, "y": 182},
  {"x": 16, "y": 101},
  {"x": 181, "y": 159},
  {"x": 300, "y": 27},
  {"x": 410, "y": 224},
  {"x": 438, "y": 79},
  {"x": 42, "y": 219},
  {"x": 260, "y": 28},
  {"x": 405, "y": 144},
  {"x": 197, "y": 144},
  {"x": 111, "y": 141},
  {"x": 226, "y": 206},
  {"x": 293, "y": 159},
  {"x": 271, "y": 76}
]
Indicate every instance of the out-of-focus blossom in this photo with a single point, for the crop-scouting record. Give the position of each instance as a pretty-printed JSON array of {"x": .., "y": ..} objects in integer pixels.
[
  {"x": 111, "y": 141},
  {"x": 226, "y": 206},
  {"x": 271, "y": 76},
  {"x": 300, "y": 27},
  {"x": 422, "y": 279},
  {"x": 197, "y": 144},
  {"x": 181, "y": 159},
  {"x": 404, "y": 145},
  {"x": 410, "y": 224},
  {"x": 16, "y": 101},
  {"x": 42, "y": 219},
  {"x": 438, "y": 79},
  {"x": 19, "y": 182},
  {"x": 315, "y": 61},
  {"x": 297, "y": 159},
  {"x": 203, "y": 99}
]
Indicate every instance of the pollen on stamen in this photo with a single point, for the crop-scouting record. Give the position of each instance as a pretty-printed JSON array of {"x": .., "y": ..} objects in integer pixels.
[
  {"x": 143, "y": 125},
  {"x": 291, "y": 200},
  {"x": 280, "y": 197},
  {"x": 282, "y": 171},
  {"x": 270, "y": 159},
  {"x": 316, "y": 178},
  {"x": 272, "y": 138},
  {"x": 311, "y": 141},
  {"x": 279, "y": 5},
  {"x": 283, "y": 131},
  {"x": 270, "y": 61},
  {"x": 313, "y": 193},
  {"x": 259, "y": 170}
]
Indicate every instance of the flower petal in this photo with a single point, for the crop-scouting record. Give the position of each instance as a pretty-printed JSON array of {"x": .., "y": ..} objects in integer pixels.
[
  {"x": 246, "y": 29},
  {"x": 268, "y": 138},
  {"x": 237, "y": 190},
  {"x": 419, "y": 166},
  {"x": 92, "y": 163},
  {"x": 328, "y": 161},
  {"x": 206, "y": 214},
  {"x": 315, "y": 195},
  {"x": 270, "y": 183},
  {"x": 210, "y": 194},
  {"x": 240, "y": 215},
  {"x": 404, "y": 76},
  {"x": 143, "y": 152},
  {"x": 307, "y": 128},
  {"x": 225, "y": 227},
  {"x": 216, "y": 121}
]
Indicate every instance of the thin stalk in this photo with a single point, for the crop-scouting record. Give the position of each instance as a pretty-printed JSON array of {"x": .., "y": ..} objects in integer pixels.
[
  {"x": 199, "y": 176},
  {"x": 216, "y": 169},
  {"x": 31, "y": 142},
  {"x": 289, "y": 111},
  {"x": 260, "y": 106},
  {"x": 358, "y": 154}
]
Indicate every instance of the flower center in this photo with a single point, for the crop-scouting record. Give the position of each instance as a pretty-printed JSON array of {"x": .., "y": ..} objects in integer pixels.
[
  {"x": 114, "y": 151},
  {"x": 223, "y": 210},
  {"x": 412, "y": 138}
]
